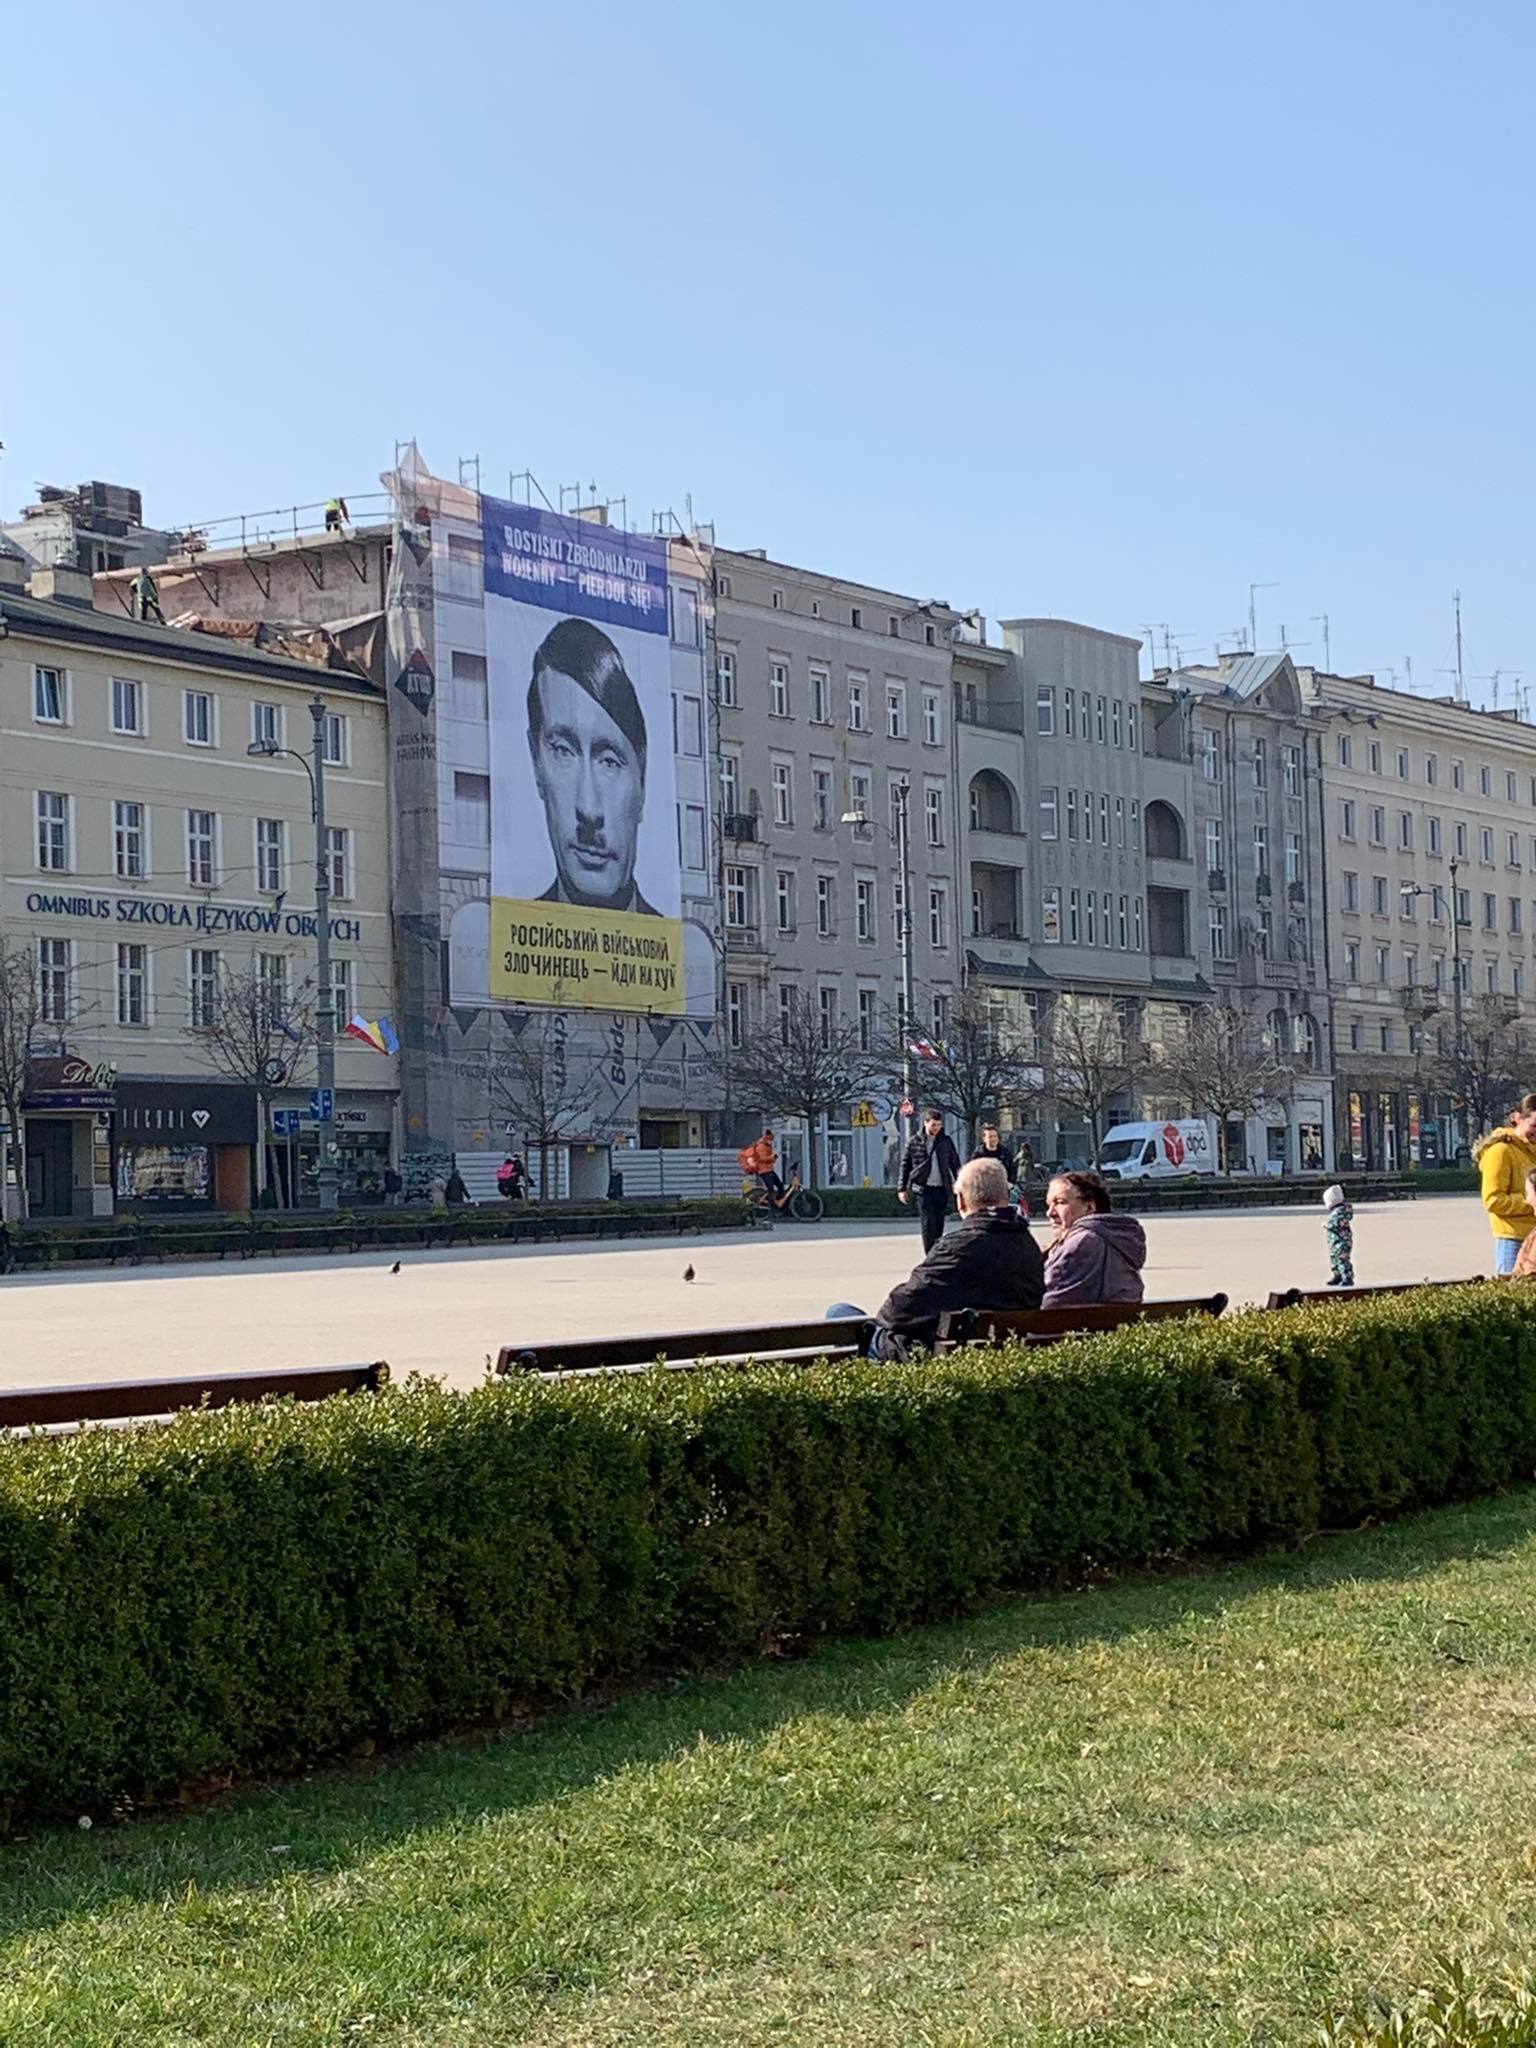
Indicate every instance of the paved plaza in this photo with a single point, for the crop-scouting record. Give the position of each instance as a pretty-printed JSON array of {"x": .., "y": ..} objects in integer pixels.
[{"x": 445, "y": 1311}]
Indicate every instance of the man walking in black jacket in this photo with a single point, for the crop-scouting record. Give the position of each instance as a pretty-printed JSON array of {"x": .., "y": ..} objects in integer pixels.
[{"x": 929, "y": 1170}]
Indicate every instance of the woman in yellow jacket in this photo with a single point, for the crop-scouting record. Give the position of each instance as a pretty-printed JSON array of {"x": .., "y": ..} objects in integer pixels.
[{"x": 1504, "y": 1159}]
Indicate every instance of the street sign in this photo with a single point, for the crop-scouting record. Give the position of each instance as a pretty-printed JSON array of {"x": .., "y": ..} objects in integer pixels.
[
  {"x": 864, "y": 1118},
  {"x": 285, "y": 1122},
  {"x": 322, "y": 1104}
]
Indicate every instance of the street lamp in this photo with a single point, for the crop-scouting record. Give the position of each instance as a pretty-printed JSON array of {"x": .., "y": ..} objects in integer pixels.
[
  {"x": 1409, "y": 891},
  {"x": 313, "y": 765},
  {"x": 902, "y": 840}
]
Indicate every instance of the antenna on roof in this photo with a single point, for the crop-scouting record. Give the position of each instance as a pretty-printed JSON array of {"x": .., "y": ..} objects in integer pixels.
[
  {"x": 1461, "y": 683},
  {"x": 1253, "y": 614},
  {"x": 1321, "y": 619}
]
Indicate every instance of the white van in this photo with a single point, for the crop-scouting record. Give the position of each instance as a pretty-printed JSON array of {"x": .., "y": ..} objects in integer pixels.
[{"x": 1157, "y": 1151}]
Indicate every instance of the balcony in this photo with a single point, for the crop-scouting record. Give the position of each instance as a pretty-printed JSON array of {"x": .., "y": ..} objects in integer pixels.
[
  {"x": 739, "y": 825},
  {"x": 1174, "y": 967},
  {"x": 996, "y": 849},
  {"x": 743, "y": 938},
  {"x": 993, "y": 717}
]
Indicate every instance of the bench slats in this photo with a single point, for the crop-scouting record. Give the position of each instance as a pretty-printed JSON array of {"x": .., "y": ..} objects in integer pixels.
[
  {"x": 1293, "y": 1297},
  {"x": 1049, "y": 1325},
  {"x": 754, "y": 1340},
  {"x": 117, "y": 1400}
]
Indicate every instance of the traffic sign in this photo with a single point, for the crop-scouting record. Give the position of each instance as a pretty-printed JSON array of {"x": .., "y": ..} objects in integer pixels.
[
  {"x": 322, "y": 1104},
  {"x": 864, "y": 1118},
  {"x": 285, "y": 1122}
]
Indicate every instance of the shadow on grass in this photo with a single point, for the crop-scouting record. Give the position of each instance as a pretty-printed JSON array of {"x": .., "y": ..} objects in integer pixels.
[{"x": 341, "y": 1814}]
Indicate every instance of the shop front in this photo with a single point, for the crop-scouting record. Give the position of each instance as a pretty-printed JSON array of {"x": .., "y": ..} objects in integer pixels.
[
  {"x": 68, "y": 1157},
  {"x": 184, "y": 1146},
  {"x": 364, "y": 1122}
]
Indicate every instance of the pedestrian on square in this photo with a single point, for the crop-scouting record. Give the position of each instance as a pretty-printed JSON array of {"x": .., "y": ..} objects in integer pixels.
[
  {"x": 990, "y": 1146},
  {"x": 1525, "y": 1262},
  {"x": 929, "y": 1170},
  {"x": 1339, "y": 1229},
  {"x": 1504, "y": 1159}
]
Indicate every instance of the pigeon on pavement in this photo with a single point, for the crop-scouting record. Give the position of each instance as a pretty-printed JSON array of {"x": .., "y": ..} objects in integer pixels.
[
  {"x": 688, "y": 1272},
  {"x": 395, "y": 1267}
]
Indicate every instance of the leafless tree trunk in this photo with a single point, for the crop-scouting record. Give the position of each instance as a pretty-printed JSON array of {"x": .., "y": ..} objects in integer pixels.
[
  {"x": 800, "y": 1063},
  {"x": 1223, "y": 1066},
  {"x": 538, "y": 1088},
  {"x": 255, "y": 1032},
  {"x": 1095, "y": 1056},
  {"x": 1485, "y": 1071},
  {"x": 979, "y": 1063}
]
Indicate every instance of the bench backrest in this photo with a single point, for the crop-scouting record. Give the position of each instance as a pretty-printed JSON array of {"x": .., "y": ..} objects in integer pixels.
[
  {"x": 1047, "y": 1325},
  {"x": 820, "y": 1339},
  {"x": 1293, "y": 1297},
  {"x": 118, "y": 1400}
]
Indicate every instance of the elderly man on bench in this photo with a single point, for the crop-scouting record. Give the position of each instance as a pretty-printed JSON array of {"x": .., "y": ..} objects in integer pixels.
[{"x": 990, "y": 1261}]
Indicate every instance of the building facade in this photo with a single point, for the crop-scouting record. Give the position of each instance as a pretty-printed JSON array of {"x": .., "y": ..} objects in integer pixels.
[{"x": 147, "y": 857}]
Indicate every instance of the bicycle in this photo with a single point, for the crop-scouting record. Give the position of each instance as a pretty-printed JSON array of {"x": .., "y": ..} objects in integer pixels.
[{"x": 802, "y": 1204}]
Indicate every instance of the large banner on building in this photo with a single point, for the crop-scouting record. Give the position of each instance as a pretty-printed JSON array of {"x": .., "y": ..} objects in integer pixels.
[{"x": 586, "y": 893}]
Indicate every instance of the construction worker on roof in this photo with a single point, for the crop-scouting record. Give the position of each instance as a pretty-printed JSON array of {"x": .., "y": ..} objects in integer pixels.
[
  {"x": 145, "y": 599},
  {"x": 335, "y": 514}
]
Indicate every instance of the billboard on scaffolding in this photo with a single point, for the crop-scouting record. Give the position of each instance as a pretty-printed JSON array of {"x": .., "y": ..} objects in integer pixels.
[{"x": 586, "y": 883}]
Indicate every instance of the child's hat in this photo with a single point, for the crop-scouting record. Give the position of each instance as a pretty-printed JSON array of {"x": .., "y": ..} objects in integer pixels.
[{"x": 1333, "y": 1198}]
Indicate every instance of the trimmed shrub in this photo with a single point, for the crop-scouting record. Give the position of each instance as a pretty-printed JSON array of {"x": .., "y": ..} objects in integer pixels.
[{"x": 248, "y": 1587}]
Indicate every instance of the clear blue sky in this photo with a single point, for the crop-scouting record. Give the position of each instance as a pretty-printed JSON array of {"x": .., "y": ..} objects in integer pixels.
[{"x": 1103, "y": 311}]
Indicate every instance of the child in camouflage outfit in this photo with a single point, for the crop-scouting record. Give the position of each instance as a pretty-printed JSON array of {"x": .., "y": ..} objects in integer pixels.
[{"x": 1339, "y": 1229}]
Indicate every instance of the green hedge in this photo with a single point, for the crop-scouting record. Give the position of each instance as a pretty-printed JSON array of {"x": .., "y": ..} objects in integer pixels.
[{"x": 253, "y": 1586}]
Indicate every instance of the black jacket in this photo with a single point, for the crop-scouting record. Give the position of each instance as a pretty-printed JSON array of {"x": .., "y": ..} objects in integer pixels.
[
  {"x": 914, "y": 1166},
  {"x": 1003, "y": 1157},
  {"x": 989, "y": 1260}
]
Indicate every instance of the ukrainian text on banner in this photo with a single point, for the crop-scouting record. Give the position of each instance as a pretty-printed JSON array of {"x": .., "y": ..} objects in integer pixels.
[{"x": 586, "y": 888}]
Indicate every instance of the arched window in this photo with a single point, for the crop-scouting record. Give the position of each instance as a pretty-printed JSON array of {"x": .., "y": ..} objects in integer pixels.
[{"x": 1165, "y": 832}]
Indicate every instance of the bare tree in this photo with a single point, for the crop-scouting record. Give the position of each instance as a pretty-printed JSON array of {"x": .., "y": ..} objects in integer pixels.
[
  {"x": 21, "y": 1027},
  {"x": 537, "y": 1086},
  {"x": 1223, "y": 1064},
  {"x": 1095, "y": 1057},
  {"x": 979, "y": 1062},
  {"x": 253, "y": 1029},
  {"x": 1485, "y": 1071},
  {"x": 801, "y": 1063}
]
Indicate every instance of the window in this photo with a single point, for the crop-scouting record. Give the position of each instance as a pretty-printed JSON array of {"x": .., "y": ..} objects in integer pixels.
[
  {"x": 1517, "y": 982},
  {"x": 1218, "y": 931},
  {"x": 1462, "y": 908},
  {"x": 1354, "y": 1035},
  {"x": 1050, "y": 917},
  {"x": 821, "y": 697},
  {"x": 896, "y": 711},
  {"x": 1351, "y": 891},
  {"x": 1130, "y": 729},
  {"x": 1114, "y": 722},
  {"x": 1103, "y": 821},
  {"x": 1069, "y": 714},
  {"x": 133, "y": 986},
  {"x": 1411, "y": 966},
  {"x": 933, "y": 813},
  {"x": 1290, "y": 770},
  {"x": 826, "y": 1016},
  {"x": 1136, "y": 920},
  {"x": 858, "y": 715},
  {"x": 48, "y": 696},
  {"x": 338, "y": 854},
  {"x": 1071, "y": 814},
  {"x": 1045, "y": 710},
  {"x": 1376, "y": 819},
  {"x": 1098, "y": 721},
  {"x": 786, "y": 1012},
  {"x": 859, "y": 791},
  {"x": 1434, "y": 835},
  {"x": 898, "y": 910},
  {"x": 1213, "y": 845},
  {"x": 1208, "y": 755},
  {"x": 821, "y": 796},
  {"x": 266, "y": 725},
  {"x": 203, "y": 988},
  {"x": 53, "y": 834},
  {"x": 343, "y": 994},
  {"x": 855, "y": 618},
  {"x": 933, "y": 719},
  {"x": 1375, "y": 757},
  {"x": 1492, "y": 971},
  {"x": 1458, "y": 775},
  {"x": 1091, "y": 924},
  {"x": 1485, "y": 781},
  {"x": 1485, "y": 845},
  {"x": 868, "y": 1012},
  {"x": 1490, "y": 912},
  {"x": 127, "y": 705},
  {"x": 1402, "y": 764},
  {"x": 865, "y": 914},
  {"x": 1293, "y": 856},
  {"x": 1408, "y": 902},
  {"x": 783, "y": 793},
  {"x": 784, "y": 901},
  {"x": 1431, "y": 769},
  {"x": 1383, "y": 964},
  {"x": 826, "y": 922},
  {"x": 1346, "y": 750},
  {"x": 1048, "y": 814},
  {"x": 272, "y": 974},
  {"x": 1378, "y": 896},
  {"x": 1261, "y": 849},
  {"x": 1260, "y": 764},
  {"x": 776, "y": 599},
  {"x": 202, "y": 849},
  {"x": 1119, "y": 821},
  {"x": 1135, "y": 821},
  {"x": 55, "y": 966},
  {"x": 1074, "y": 917},
  {"x": 938, "y": 917},
  {"x": 1123, "y": 936},
  {"x": 197, "y": 718},
  {"x": 1386, "y": 1037},
  {"x": 335, "y": 739},
  {"x": 270, "y": 836},
  {"x": 1514, "y": 915},
  {"x": 730, "y": 785},
  {"x": 893, "y": 625},
  {"x": 1347, "y": 818},
  {"x": 736, "y": 898},
  {"x": 735, "y": 1011},
  {"x": 1085, "y": 719},
  {"x": 778, "y": 689},
  {"x": 1352, "y": 960},
  {"x": 725, "y": 676},
  {"x": 1461, "y": 840},
  {"x": 1405, "y": 831}
]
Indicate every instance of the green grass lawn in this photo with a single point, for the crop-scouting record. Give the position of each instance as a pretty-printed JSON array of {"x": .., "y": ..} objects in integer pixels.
[{"x": 1205, "y": 1809}]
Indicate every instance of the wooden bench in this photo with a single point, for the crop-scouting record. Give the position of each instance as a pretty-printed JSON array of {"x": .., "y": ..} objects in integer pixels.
[
  {"x": 1293, "y": 1297},
  {"x": 1050, "y": 1325},
  {"x": 757, "y": 1343},
  {"x": 119, "y": 1400}
]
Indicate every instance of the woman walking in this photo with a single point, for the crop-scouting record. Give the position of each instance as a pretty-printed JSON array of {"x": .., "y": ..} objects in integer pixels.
[{"x": 1504, "y": 1158}]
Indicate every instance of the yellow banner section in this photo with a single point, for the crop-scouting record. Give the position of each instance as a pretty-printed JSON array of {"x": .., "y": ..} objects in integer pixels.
[{"x": 580, "y": 959}]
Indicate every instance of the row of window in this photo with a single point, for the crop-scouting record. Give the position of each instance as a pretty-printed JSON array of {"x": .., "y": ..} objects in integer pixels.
[
  {"x": 203, "y": 845},
  {"x": 741, "y": 886},
  {"x": 855, "y": 615},
  {"x": 1106, "y": 808},
  {"x": 1103, "y": 720},
  {"x": 820, "y": 706},
  {"x": 1409, "y": 894},
  {"x": 1092, "y": 919},
  {"x": 1215, "y": 850},
  {"x": 1441, "y": 971},
  {"x": 1258, "y": 767},
  {"x": 1434, "y": 831},
  {"x": 133, "y": 984},
  {"x": 1487, "y": 777},
  {"x": 824, "y": 811},
  {"x": 738, "y": 1013},
  {"x": 53, "y": 696}
]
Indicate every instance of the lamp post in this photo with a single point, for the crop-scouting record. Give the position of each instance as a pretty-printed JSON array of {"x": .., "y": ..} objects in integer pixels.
[
  {"x": 1411, "y": 889},
  {"x": 313, "y": 765},
  {"x": 902, "y": 841}
]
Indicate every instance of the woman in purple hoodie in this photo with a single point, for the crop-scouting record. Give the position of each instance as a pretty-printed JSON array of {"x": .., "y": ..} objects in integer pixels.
[{"x": 1094, "y": 1256}]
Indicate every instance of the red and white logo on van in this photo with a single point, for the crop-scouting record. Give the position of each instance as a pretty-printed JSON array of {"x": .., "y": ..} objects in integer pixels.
[{"x": 1173, "y": 1144}]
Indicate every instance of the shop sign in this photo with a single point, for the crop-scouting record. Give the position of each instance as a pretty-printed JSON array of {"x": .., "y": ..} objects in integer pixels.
[
  {"x": 196, "y": 1113},
  {"x": 64, "y": 1081},
  {"x": 210, "y": 918}
]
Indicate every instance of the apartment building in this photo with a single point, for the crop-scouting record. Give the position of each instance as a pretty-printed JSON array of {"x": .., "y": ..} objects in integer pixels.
[
  {"x": 834, "y": 698},
  {"x": 146, "y": 855},
  {"x": 1429, "y": 828}
]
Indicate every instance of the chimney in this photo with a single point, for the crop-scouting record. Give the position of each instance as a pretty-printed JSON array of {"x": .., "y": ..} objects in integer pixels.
[{"x": 64, "y": 585}]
